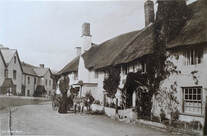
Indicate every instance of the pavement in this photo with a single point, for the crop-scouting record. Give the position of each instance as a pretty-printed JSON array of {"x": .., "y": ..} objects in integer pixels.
[{"x": 41, "y": 120}]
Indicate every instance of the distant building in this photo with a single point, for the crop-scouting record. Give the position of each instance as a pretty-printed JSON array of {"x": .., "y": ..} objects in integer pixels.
[
  {"x": 19, "y": 78},
  {"x": 12, "y": 68},
  {"x": 36, "y": 76}
]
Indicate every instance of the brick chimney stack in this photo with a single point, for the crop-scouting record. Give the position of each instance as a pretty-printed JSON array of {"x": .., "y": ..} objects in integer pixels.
[
  {"x": 86, "y": 37},
  {"x": 42, "y": 65},
  {"x": 86, "y": 29},
  {"x": 149, "y": 12}
]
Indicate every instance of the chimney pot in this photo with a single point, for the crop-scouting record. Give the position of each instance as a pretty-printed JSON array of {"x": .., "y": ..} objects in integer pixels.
[
  {"x": 149, "y": 12},
  {"x": 86, "y": 29},
  {"x": 42, "y": 65}
]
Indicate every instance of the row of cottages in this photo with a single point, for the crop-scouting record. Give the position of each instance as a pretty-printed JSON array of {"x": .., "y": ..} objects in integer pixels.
[
  {"x": 128, "y": 51},
  {"x": 19, "y": 78}
]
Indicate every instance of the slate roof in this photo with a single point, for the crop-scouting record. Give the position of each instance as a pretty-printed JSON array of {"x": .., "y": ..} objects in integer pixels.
[
  {"x": 41, "y": 71},
  {"x": 2, "y": 58},
  {"x": 34, "y": 70},
  {"x": 28, "y": 69},
  {"x": 8, "y": 54},
  {"x": 133, "y": 45}
]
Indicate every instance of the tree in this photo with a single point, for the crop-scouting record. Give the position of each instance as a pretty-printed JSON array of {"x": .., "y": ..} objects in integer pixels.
[
  {"x": 64, "y": 86},
  {"x": 171, "y": 17},
  {"x": 111, "y": 83}
]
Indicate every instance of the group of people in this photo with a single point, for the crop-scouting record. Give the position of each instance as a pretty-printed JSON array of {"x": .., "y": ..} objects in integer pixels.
[{"x": 73, "y": 102}]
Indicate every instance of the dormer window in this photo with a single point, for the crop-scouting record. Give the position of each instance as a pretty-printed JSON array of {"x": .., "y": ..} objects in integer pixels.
[{"x": 193, "y": 56}]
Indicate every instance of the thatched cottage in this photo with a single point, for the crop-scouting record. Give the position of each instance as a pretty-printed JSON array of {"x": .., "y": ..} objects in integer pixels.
[{"x": 128, "y": 51}]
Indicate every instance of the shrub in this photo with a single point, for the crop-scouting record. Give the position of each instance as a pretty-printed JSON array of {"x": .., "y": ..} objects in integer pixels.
[
  {"x": 97, "y": 112},
  {"x": 112, "y": 105},
  {"x": 155, "y": 119},
  {"x": 175, "y": 115},
  {"x": 195, "y": 125},
  {"x": 40, "y": 91},
  {"x": 162, "y": 115},
  {"x": 97, "y": 102}
]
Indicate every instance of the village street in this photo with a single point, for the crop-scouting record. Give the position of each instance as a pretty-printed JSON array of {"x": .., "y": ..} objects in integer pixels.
[{"x": 42, "y": 120}]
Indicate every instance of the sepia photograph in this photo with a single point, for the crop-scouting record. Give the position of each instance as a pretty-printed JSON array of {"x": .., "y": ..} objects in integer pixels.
[{"x": 103, "y": 67}]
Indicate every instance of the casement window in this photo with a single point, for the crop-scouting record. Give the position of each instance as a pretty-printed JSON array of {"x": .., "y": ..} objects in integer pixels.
[
  {"x": 192, "y": 100},
  {"x": 14, "y": 74},
  {"x": 106, "y": 74},
  {"x": 46, "y": 82},
  {"x": 96, "y": 74},
  {"x": 6, "y": 73},
  {"x": 49, "y": 82},
  {"x": 28, "y": 80},
  {"x": 193, "y": 56},
  {"x": 125, "y": 69},
  {"x": 35, "y": 80},
  {"x": 144, "y": 67}
]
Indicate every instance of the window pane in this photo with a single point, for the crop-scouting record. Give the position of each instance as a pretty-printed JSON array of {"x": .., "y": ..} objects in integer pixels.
[
  {"x": 198, "y": 97},
  {"x": 194, "y": 91},
  {"x": 186, "y": 97},
  {"x": 199, "y": 91},
  {"x": 194, "y": 97},
  {"x": 190, "y": 91},
  {"x": 186, "y": 91}
]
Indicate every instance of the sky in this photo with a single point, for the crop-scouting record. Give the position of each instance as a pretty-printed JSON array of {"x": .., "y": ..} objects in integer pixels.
[{"x": 47, "y": 31}]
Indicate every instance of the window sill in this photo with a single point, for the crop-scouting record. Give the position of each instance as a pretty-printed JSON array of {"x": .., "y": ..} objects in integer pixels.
[{"x": 191, "y": 114}]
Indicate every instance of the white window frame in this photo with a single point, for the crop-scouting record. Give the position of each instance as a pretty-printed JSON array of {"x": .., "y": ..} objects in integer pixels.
[{"x": 192, "y": 100}]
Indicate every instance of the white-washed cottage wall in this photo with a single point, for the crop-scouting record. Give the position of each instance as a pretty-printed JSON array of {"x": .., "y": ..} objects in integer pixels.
[{"x": 191, "y": 83}]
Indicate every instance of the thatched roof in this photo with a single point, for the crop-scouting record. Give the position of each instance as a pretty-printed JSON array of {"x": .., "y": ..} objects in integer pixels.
[
  {"x": 141, "y": 45},
  {"x": 104, "y": 54},
  {"x": 195, "y": 30},
  {"x": 133, "y": 45},
  {"x": 72, "y": 66}
]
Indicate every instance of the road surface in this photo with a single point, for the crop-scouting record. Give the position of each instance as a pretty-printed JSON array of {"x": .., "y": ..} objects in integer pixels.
[{"x": 42, "y": 120}]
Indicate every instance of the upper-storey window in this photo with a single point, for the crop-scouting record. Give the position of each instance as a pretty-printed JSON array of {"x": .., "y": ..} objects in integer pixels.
[
  {"x": 6, "y": 73},
  {"x": 28, "y": 80},
  {"x": 14, "y": 74},
  {"x": 193, "y": 56},
  {"x": 96, "y": 74},
  {"x": 35, "y": 80},
  {"x": 15, "y": 59},
  {"x": 49, "y": 82},
  {"x": 46, "y": 82},
  {"x": 144, "y": 67}
]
